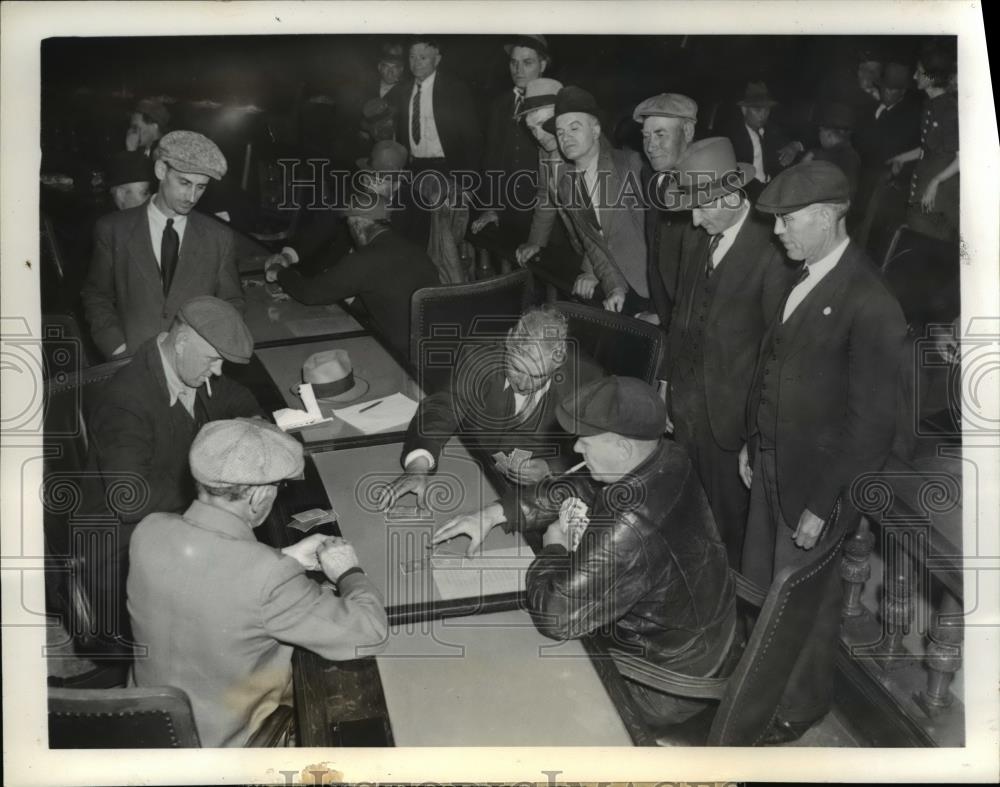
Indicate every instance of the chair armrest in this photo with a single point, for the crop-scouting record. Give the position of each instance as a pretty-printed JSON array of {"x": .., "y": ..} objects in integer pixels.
[
  {"x": 656, "y": 677},
  {"x": 749, "y": 591},
  {"x": 275, "y": 729}
]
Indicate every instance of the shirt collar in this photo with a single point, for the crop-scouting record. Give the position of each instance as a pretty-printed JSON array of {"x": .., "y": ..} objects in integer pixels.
[
  {"x": 218, "y": 520},
  {"x": 427, "y": 83},
  {"x": 159, "y": 218},
  {"x": 540, "y": 392},
  {"x": 175, "y": 386},
  {"x": 824, "y": 265}
]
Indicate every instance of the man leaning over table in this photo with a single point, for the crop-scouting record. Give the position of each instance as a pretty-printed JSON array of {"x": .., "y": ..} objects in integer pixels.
[
  {"x": 632, "y": 547},
  {"x": 503, "y": 395},
  {"x": 220, "y": 612}
]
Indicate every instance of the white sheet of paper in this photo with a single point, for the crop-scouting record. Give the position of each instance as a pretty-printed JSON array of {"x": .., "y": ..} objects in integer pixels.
[
  {"x": 289, "y": 418},
  {"x": 493, "y": 572},
  {"x": 391, "y": 412}
]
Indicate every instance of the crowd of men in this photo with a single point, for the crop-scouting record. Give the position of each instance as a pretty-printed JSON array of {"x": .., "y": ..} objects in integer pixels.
[{"x": 779, "y": 380}]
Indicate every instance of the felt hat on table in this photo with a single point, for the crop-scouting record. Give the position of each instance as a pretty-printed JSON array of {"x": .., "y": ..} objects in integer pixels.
[{"x": 332, "y": 377}]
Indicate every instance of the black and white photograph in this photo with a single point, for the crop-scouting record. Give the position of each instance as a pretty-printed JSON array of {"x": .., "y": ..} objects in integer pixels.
[{"x": 515, "y": 392}]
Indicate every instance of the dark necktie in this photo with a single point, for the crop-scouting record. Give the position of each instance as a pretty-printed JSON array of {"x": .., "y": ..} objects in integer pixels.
[
  {"x": 583, "y": 195},
  {"x": 713, "y": 244},
  {"x": 169, "y": 246},
  {"x": 415, "y": 116},
  {"x": 518, "y": 101}
]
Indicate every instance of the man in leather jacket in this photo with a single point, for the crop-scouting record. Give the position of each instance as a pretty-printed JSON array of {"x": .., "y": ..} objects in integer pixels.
[{"x": 630, "y": 550}]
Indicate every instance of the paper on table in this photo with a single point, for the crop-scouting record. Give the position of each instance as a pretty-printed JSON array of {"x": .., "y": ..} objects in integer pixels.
[
  {"x": 389, "y": 413},
  {"x": 290, "y": 418},
  {"x": 491, "y": 573}
]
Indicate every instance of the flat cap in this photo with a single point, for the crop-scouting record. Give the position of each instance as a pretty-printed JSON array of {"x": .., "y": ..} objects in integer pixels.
[
  {"x": 221, "y": 325},
  {"x": 244, "y": 451},
  {"x": 802, "y": 185},
  {"x": 623, "y": 405},
  {"x": 191, "y": 152},
  {"x": 129, "y": 166},
  {"x": 668, "y": 105}
]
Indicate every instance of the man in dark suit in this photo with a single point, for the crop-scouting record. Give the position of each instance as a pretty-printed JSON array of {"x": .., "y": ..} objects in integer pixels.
[
  {"x": 732, "y": 278},
  {"x": 601, "y": 195},
  {"x": 511, "y": 149},
  {"x": 503, "y": 396},
  {"x": 759, "y": 140},
  {"x": 150, "y": 259},
  {"x": 821, "y": 412}
]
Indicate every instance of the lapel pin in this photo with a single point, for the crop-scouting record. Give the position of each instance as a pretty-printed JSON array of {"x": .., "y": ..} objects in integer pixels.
[{"x": 827, "y": 311}]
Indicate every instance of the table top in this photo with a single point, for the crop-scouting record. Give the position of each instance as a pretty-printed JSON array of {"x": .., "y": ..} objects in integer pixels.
[
  {"x": 387, "y": 543},
  {"x": 270, "y": 319},
  {"x": 371, "y": 364},
  {"x": 493, "y": 680}
]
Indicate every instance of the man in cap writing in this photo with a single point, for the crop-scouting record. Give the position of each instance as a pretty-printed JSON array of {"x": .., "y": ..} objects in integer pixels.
[
  {"x": 150, "y": 259},
  {"x": 220, "y": 612}
]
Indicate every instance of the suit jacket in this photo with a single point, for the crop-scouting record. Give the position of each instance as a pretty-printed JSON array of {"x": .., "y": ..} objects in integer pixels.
[
  {"x": 510, "y": 148},
  {"x": 614, "y": 251},
  {"x": 123, "y": 295},
  {"x": 893, "y": 132},
  {"x": 837, "y": 376},
  {"x": 479, "y": 405},
  {"x": 220, "y": 614},
  {"x": 664, "y": 234},
  {"x": 773, "y": 140},
  {"x": 753, "y": 279},
  {"x": 845, "y": 157},
  {"x": 454, "y": 116}
]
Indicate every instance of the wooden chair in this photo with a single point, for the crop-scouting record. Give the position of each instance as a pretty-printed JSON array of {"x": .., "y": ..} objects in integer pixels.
[
  {"x": 749, "y": 695},
  {"x": 619, "y": 344},
  {"x": 141, "y": 718},
  {"x": 443, "y": 318},
  {"x": 924, "y": 275}
]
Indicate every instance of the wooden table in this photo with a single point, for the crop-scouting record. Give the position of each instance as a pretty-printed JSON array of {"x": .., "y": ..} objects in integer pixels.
[{"x": 272, "y": 320}]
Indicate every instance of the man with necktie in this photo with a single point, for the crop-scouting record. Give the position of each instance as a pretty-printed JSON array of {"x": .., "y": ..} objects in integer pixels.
[
  {"x": 821, "y": 412},
  {"x": 732, "y": 277},
  {"x": 151, "y": 259},
  {"x": 757, "y": 139}
]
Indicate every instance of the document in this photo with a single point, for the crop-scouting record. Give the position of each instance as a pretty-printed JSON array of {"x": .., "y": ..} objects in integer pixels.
[
  {"x": 489, "y": 574},
  {"x": 380, "y": 415}
]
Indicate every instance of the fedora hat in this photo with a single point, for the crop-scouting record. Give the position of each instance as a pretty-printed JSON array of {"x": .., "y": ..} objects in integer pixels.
[
  {"x": 836, "y": 116},
  {"x": 536, "y": 42},
  {"x": 392, "y": 52},
  {"x": 540, "y": 92},
  {"x": 332, "y": 378},
  {"x": 706, "y": 171},
  {"x": 756, "y": 95},
  {"x": 572, "y": 99}
]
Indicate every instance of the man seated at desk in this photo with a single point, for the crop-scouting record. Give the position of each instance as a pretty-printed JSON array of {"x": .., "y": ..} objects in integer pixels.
[
  {"x": 503, "y": 395},
  {"x": 633, "y": 549},
  {"x": 218, "y": 611}
]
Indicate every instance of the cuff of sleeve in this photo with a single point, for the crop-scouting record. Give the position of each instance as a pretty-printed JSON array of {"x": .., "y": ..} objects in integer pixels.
[
  {"x": 349, "y": 572},
  {"x": 291, "y": 254},
  {"x": 554, "y": 550},
  {"x": 416, "y": 453}
]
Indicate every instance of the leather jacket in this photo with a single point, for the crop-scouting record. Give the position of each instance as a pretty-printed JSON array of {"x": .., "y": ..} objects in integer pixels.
[{"x": 651, "y": 571}]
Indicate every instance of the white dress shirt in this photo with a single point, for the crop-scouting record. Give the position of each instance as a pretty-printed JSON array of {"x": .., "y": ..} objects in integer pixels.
[
  {"x": 158, "y": 223},
  {"x": 758, "y": 153},
  {"x": 817, "y": 271},
  {"x": 728, "y": 238},
  {"x": 430, "y": 143}
]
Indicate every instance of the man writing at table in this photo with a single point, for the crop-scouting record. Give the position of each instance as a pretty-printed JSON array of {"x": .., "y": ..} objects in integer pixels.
[
  {"x": 643, "y": 559},
  {"x": 220, "y": 612},
  {"x": 504, "y": 396}
]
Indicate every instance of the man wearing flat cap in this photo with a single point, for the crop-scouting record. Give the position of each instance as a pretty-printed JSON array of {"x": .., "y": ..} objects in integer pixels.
[
  {"x": 668, "y": 123},
  {"x": 507, "y": 195},
  {"x": 629, "y": 546},
  {"x": 601, "y": 193},
  {"x": 150, "y": 259},
  {"x": 148, "y": 414},
  {"x": 383, "y": 271},
  {"x": 732, "y": 277},
  {"x": 821, "y": 412},
  {"x": 218, "y": 612}
]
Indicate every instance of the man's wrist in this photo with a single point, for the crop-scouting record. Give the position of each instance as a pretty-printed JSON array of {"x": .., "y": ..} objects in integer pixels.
[{"x": 349, "y": 572}]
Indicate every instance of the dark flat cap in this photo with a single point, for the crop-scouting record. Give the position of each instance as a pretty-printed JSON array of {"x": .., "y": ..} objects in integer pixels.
[
  {"x": 191, "y": 152},
  {"x": 802, "y": 185},
  {"x": 130, "y": 167},
  {"x": 572, "y": 99},
  {"x": 221, "y": 325},
  {"x": 623, "y": 405}
]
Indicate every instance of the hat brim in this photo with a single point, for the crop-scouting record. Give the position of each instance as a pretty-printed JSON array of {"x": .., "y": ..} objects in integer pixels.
[
  {"x": 356, "y": 391},
  {"x": 535, "y": 102},
  {"x": 573, "y": 425},
  {"x": 681, "y": 199},
  {"x": 187, "y": 168}
]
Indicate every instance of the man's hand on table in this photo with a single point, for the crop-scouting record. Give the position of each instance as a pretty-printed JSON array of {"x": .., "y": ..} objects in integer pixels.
[
  {"x": 475, "y": 525},
  {"x": 413, "y": 480},
  {"x": 306, "y": 551},
  {"x": 528, "y": 472},
  {"x": 337, "y": 557},
  {"x": 273, "y": 264}
]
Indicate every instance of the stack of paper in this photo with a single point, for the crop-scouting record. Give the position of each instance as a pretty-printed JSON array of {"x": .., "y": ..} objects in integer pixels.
[
  {"x": 289, "y": 418},
  {"x": 381, "y": 415}
]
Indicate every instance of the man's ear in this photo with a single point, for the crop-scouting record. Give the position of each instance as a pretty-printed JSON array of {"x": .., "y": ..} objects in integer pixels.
[
  {"x": 688, "y": 132},
  {"x": 625, "y": 448},
  {"x": 262, "y": 496},
  {"x": 544, "y": 65},
  {"x": 160, "y": 168},
  {"x": 559, "y": 355}
]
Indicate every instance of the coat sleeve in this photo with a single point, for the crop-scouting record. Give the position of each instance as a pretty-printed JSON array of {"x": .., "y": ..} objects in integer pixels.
[
  {"x": 228, "y": 287},
  {"x": 546, "y": 211},
  {"x": 98, "y": 294},
  {"x": 343, "y": 280},
  {"x": 875, "y": 353},
  {"x": 298, "y": 611},
  {"x": 572, "y": 594}
]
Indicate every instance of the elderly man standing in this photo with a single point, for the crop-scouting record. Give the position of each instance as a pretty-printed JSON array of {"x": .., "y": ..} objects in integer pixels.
[
  {"x": 602, "y": 195},
  {"x": 668, "y": 122},
  {"x": 503, "y": 396},
  {"x": 219, "y": 612},
  {"x": 821, "y": 411},
  {"x": 149, "y": 413},
  {"x": 631, "y": 549},
  {"x": 150, "y": 259},
  {"x": 732, "y": 279}
]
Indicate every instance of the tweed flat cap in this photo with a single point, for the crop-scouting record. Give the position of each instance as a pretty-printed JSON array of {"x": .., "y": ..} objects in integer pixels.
[
  {"x": 244, "y": 451},
  {"x": 129, "y": 166},
  {"x": 191, "y": 152},
  {"x": 220, "y": 324},
  {"x": 668, "y": 105},
  {"x": 623, "y": 405},
  {"x": 802, "y": 185}
]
